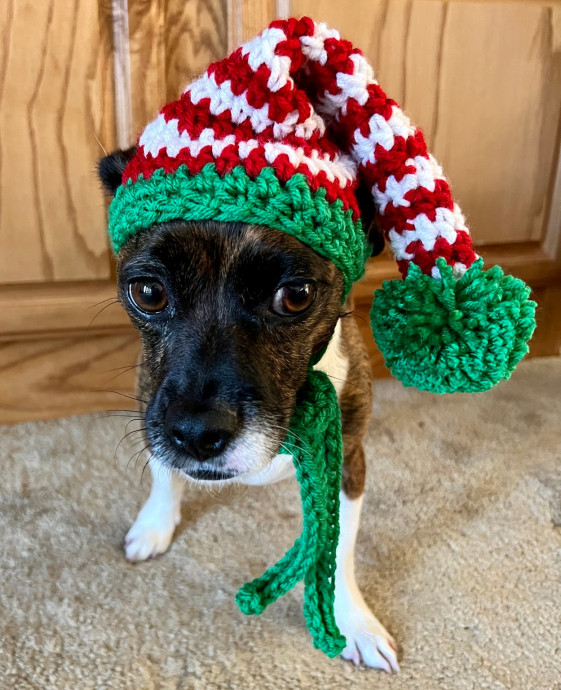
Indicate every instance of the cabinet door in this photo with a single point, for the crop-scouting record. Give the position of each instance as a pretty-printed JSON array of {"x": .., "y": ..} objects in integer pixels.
[{"x": 57, "y": 114}]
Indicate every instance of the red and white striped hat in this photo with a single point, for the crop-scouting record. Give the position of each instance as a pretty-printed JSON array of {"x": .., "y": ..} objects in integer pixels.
[{"x": 280, "y": 133}]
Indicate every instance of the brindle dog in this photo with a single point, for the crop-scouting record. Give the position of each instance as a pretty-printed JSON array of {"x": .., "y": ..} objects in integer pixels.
[{"x": 230, "y": 315}]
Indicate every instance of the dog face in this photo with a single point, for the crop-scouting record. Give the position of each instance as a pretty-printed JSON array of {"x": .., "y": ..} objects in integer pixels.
[{"x": 230, "y": 315}]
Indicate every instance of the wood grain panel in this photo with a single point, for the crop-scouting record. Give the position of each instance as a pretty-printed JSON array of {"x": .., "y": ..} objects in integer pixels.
[
  {"x": 122, "y": 73},
  {"x": 547, "y": 337},
  {"x": 195, "y": 36},
  {"x": 147, "y": 61},
  {"x": 171, "y": 42},
  {"x": 246, "y": 18},
  {"x": 483, "y": 79},
  {"x": 56, "y": 105},
  {"x": 47, "y": 309},
  {"x": 57, "y": 377}
]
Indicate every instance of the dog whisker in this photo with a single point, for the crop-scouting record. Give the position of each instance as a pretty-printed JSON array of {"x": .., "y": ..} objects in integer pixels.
[
  {"x": 93, "y": 306},
  {"x": 115, "y": 301},
  {"x": 347, "y": 382},
  {"x": 136, "y": 457},
  {"x": 137, "y": 443},
  {"x": 145, "y": 464},
  {"x": 124, "y": 395},
  {"x": 101, "y": 146},
  {"x": 304, "y": 447},
  {"x": 127, "y": 366},
  {"x": 120, "y": 373},
  {"x": 353, "y": 313},
  {"x": 137, "y": 419},
  {"x": 134, "y": 431}
]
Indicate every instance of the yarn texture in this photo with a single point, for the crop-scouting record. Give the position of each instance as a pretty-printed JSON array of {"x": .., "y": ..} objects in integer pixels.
[
  {"x": 453, "y": 336},
  {"x": 291, "y": 207},
  {"x": 280, "y": 134},
  {"x": 299, "y": 100},
  {"x": 316, "y": 445}
]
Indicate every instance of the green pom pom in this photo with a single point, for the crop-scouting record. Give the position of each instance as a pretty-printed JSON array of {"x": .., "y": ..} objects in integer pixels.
[{"x": 453, "y": 336}]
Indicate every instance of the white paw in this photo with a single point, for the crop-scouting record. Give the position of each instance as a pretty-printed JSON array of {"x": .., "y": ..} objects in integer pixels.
[
  {"x": 151, "y": 533},
  {"x": 367, "y": 639}
]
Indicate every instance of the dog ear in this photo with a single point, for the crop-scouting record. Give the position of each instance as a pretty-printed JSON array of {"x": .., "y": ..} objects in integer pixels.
[
  {"x": 110, "y": 169},
  {"x": 368, "y": 216}
]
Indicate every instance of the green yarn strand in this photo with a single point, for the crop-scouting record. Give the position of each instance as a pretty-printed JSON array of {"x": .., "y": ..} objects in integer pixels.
[
  {"x": 290, "y": 206},
  {"x": 320, "y": 584},
  {"x": 315, "y": 442},
  {"x": 448, "y": 336}
]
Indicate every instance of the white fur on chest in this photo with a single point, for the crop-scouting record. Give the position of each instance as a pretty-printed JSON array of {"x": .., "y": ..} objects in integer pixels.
[
  {"x": 336, "y": 366},
  {"x": 334, "y": 363}
]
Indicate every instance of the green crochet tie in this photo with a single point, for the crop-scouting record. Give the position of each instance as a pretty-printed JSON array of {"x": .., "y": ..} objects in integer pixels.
[{"x": 316, "y": 445}]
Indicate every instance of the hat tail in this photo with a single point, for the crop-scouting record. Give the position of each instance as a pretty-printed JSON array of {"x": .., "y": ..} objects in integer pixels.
[
  {"x": 413, "y": 199},
  {"x": 449, "y": 326}
]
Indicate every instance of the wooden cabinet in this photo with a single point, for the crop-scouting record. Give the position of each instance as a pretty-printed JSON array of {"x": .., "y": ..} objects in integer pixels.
[
  {"x": 482, "y": 78},
  {"x": 57, "y": 113}
]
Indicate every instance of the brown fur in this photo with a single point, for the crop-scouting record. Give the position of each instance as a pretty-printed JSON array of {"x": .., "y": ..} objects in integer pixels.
[{"x": 356, "y": 402}]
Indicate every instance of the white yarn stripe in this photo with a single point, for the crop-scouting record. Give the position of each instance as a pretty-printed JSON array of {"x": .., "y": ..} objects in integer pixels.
[
  {"x": 246, "y": 147},
  {"x": 313, "y": 46},
  {"x": 342, "y": 168},
  {"x": 425, "y": 176},
  {"x": 429, "y": 231},
  {"x": 383, "y": 133},
  {"x": 426, "y": 230},
  {"x": 261, "y": 51},
  {"x": 160, "y": 134},
  {"x": 353, "y": 85},
  {"x": 399, "y": 244},
  {"x": 459, "y": 220},
  {"x": 395, "y": 191},
  {"x": 222, "y": 99}
]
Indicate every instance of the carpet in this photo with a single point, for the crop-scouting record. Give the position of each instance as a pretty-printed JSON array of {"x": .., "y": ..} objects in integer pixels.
[{"x": 459, "y": 556}]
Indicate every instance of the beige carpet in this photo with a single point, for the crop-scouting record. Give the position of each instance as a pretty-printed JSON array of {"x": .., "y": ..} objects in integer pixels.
[{"x": 459, "y": 556}]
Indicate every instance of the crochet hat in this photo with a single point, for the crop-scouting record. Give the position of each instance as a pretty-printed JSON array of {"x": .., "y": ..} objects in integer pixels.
[{"x": 280, "y": 134}]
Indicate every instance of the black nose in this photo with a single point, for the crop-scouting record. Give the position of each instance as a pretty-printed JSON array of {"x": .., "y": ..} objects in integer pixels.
[{"x": 202, "y": 435}]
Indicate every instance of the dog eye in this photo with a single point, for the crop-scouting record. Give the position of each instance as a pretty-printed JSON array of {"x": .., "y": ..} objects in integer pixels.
[
  {"x": 294, "y": 298},
  {"x": 148, "y": 295}
]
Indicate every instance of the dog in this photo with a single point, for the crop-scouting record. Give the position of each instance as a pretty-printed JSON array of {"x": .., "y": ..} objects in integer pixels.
[{"x": 229, "y": 315}]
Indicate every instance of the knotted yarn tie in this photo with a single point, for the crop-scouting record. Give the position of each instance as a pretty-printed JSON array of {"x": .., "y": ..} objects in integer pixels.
[{"x": 316, "y": 444}]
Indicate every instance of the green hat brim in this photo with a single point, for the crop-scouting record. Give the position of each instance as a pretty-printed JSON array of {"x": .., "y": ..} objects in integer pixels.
[{"x": 291, "y": 206}]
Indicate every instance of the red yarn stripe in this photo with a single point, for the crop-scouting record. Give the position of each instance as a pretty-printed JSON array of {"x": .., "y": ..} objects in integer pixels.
[{"x": 307, "y": 89}]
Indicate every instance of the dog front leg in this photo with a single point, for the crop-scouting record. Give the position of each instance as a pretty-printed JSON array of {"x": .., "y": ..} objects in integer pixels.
[
  {"x": 366, "y": 637},
  {"x": 153, "y": 529}
]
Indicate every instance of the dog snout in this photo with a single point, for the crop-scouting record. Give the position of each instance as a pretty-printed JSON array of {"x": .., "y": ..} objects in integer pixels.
[{"x": 200, "y": 434}]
